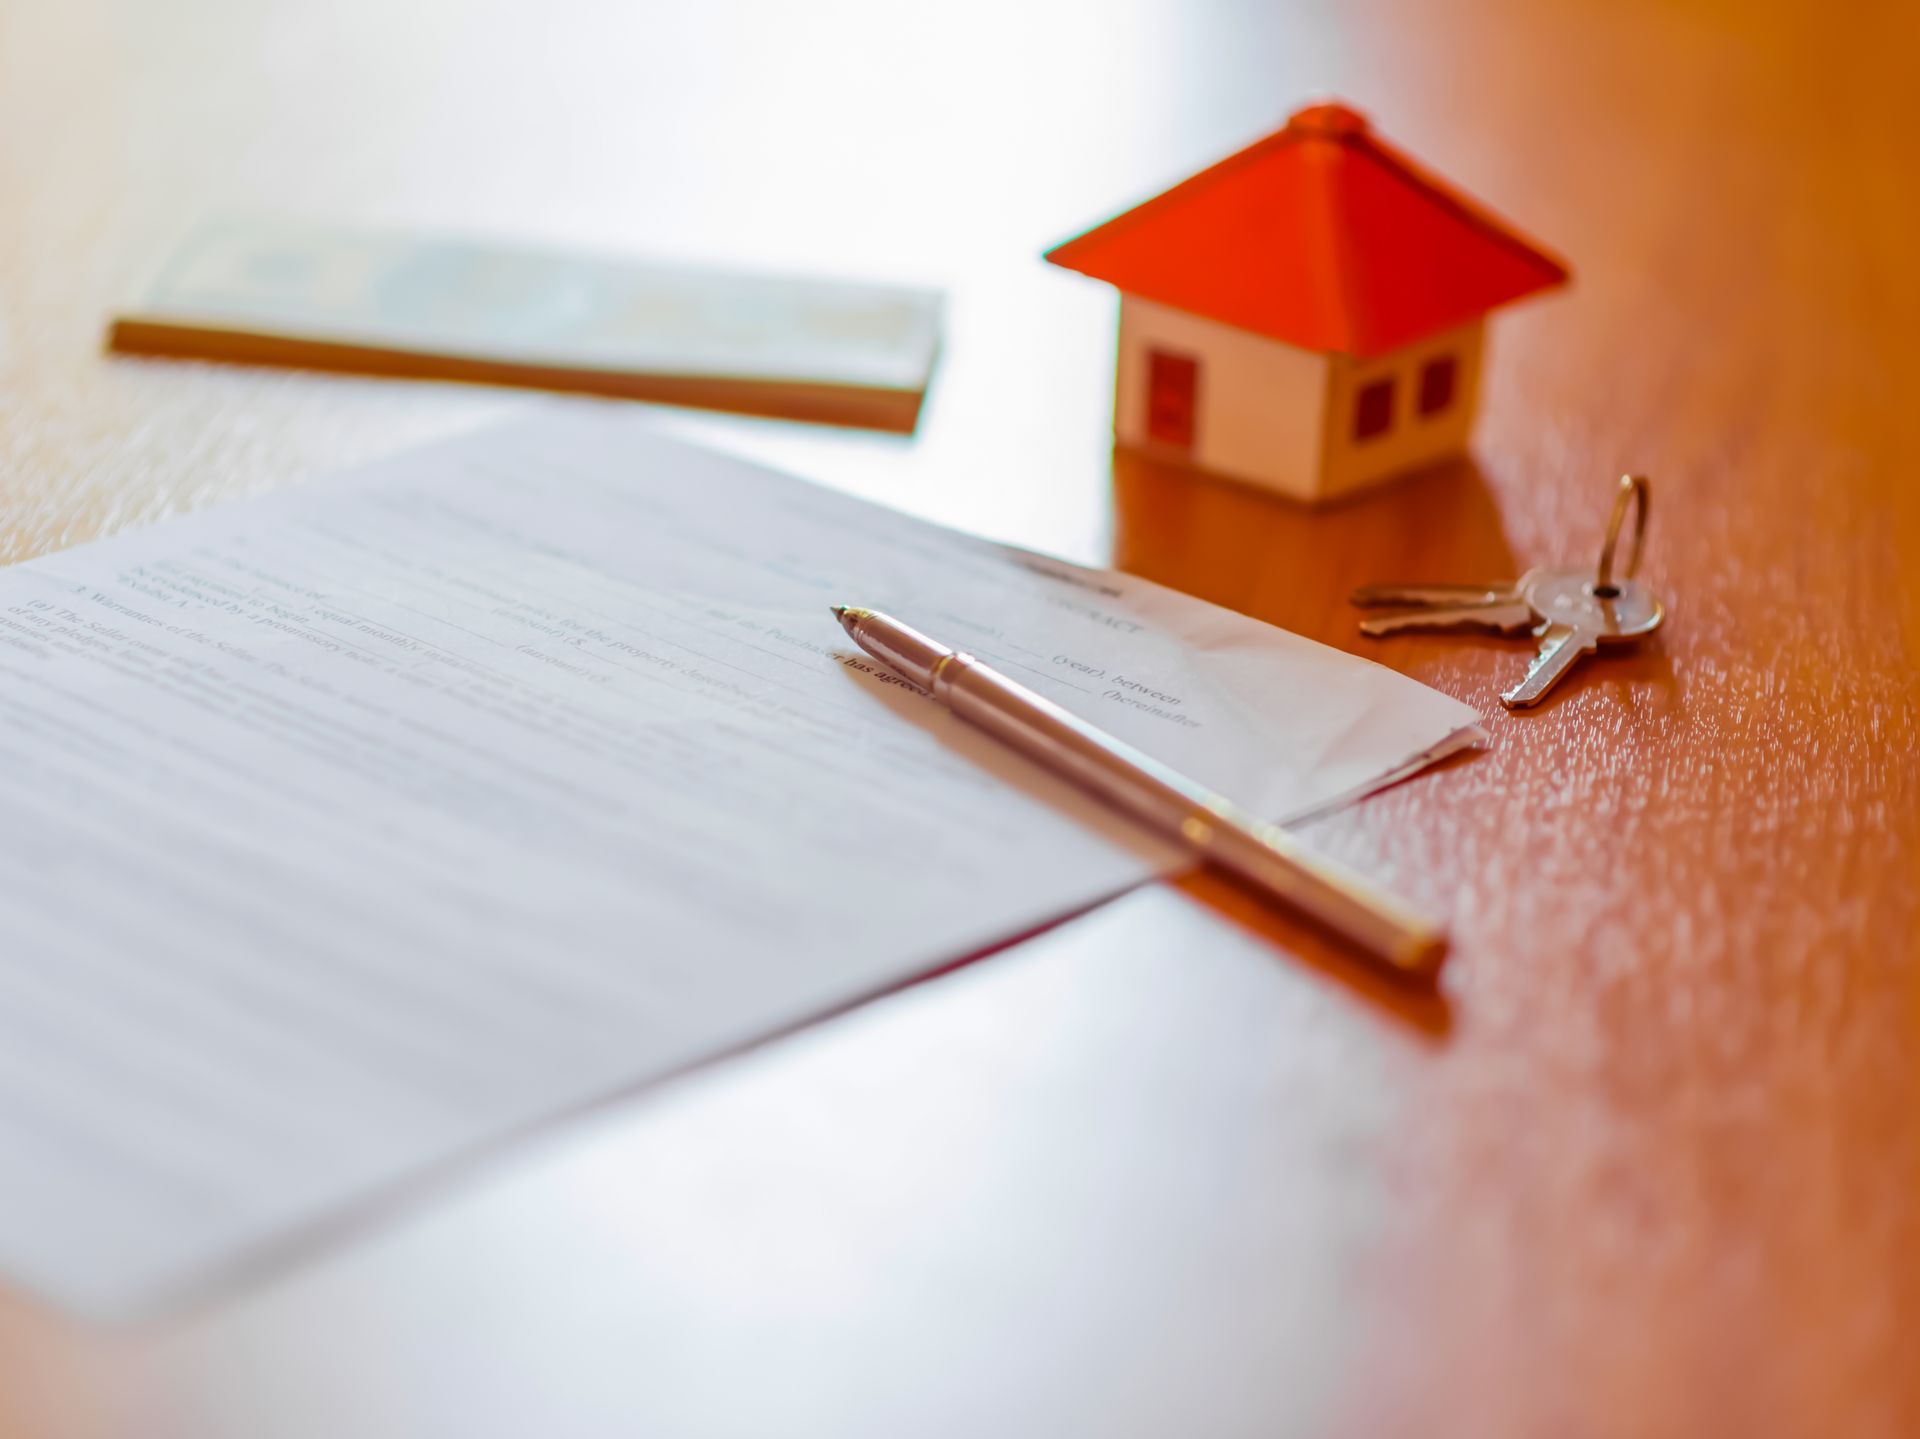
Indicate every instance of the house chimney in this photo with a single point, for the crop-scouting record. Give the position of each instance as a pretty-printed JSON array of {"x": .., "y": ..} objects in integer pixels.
[{"x": 1329, "y": 119}]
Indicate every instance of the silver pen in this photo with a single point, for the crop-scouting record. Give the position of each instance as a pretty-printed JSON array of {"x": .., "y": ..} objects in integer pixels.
[{"x": 1219, "y": 831}]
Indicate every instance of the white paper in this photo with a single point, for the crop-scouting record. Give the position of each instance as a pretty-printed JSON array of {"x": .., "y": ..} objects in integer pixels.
[{"x": 349, "y": 828}]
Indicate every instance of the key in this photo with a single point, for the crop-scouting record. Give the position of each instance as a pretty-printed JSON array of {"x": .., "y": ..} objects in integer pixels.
[
  {"x": 1580, "y": 616},
  {"x": 1500, "y": 608},
  {"x": 1500, "y": 619},
  {"x": 1573, "y": 613},
  {"x": 1458, "y": 596}
]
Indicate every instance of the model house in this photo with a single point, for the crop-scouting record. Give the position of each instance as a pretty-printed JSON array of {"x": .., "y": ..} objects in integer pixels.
[{"x": 1307, "y": 314}]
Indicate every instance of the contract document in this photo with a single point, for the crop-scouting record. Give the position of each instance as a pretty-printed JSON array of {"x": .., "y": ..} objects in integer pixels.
[{"x": 352, "y": 827}]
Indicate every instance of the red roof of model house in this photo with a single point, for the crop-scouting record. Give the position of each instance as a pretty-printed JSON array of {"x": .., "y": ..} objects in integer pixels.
[{"x": 1321, "y": 235}]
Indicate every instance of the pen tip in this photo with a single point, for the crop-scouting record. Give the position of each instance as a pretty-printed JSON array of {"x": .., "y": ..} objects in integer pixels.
[{"x": 839, "y": 612}]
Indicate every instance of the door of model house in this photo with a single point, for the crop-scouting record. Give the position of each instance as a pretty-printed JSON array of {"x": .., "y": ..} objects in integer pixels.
[{"x": 1173, "y": 391}]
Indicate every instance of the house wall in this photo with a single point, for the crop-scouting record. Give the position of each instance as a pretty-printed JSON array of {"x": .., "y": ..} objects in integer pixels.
[
  {"x": 1412, "y": 440},
  {"x": 1260, "y": 405}
]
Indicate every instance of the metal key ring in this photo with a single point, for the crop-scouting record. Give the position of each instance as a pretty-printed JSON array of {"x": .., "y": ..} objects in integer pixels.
[{"x": 1632, "y": 487}]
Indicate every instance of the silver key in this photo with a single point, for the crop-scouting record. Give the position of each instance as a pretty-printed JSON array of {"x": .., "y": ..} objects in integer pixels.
[
  {"x": 1572, "y": 612},
  {"x": 1579, "y": 617},
  {"x": 1500, "y": 607}
]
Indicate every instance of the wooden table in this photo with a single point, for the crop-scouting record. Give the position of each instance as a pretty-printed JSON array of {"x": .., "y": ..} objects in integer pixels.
[{"x": 1648, "y": 1167}]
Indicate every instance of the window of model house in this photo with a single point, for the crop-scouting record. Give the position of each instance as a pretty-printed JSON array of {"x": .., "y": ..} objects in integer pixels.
[
  {"x": 1437, "y": 379},
  {"x": 1173, "y": 384},
  {"x": 1373, "y": 409}
]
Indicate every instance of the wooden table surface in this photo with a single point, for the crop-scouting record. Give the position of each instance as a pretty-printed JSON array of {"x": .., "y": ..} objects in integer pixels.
[{"x": 1648, "y": 1166}]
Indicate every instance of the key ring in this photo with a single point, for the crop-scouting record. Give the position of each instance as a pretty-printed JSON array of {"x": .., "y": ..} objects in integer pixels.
[{"x": 1632, "y": 487}]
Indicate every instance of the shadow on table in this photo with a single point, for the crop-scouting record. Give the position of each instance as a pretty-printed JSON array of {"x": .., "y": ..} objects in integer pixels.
[
  {"x": 1420, "y": 1005},
  {"x": 1293, "y": 564}
]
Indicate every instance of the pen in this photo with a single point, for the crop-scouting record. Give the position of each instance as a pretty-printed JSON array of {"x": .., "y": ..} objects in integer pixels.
[{"x": 1219, "y": 831}]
